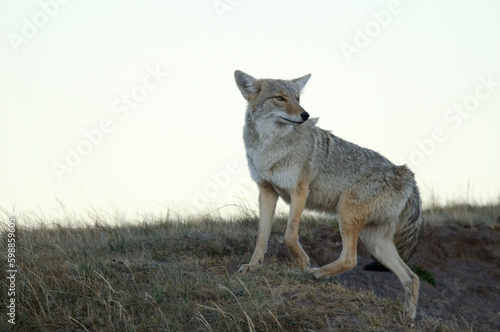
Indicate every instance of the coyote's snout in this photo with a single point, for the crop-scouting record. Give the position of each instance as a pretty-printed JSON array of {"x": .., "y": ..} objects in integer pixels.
[{"x": 310, "y": 168}]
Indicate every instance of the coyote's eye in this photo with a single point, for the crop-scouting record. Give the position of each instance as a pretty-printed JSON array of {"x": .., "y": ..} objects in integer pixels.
[{"x": 280, "y": 98}]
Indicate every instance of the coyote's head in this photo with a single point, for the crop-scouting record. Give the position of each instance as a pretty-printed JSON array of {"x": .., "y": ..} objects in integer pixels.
[{"x": 275, "y": 100}]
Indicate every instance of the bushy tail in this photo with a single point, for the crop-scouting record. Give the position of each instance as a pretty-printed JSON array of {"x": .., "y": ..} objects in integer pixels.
[{"x": 410, "y": 226}]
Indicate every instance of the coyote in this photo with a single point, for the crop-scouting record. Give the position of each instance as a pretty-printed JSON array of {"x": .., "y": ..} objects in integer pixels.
[{"x": 310, "y": 168}]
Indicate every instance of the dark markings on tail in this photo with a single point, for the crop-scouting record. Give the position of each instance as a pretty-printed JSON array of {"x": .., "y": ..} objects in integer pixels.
[{"x": 411, "y": 225}]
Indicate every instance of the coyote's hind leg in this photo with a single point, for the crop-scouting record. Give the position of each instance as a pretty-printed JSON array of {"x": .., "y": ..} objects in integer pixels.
[{"x": 379, "y": 241}]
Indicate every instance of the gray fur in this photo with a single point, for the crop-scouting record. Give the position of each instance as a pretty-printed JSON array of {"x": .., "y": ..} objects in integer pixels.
[{"x": 311, "y": 168}]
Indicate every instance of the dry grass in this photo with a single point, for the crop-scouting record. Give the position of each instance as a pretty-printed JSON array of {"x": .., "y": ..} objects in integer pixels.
[
  {"x": 162, "y": 275},
  {"x": 464, "y": 214}
]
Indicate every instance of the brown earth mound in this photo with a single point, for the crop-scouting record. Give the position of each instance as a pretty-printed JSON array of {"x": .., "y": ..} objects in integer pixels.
[{"x": 465, "y": 264}]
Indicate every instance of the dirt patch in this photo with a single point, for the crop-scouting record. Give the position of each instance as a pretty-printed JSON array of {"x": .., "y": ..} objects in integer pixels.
[{"x": 465, "y": 263}]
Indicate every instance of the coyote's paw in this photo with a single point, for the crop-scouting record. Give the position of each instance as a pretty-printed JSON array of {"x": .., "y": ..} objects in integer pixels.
[
  {"x": 300, "y": 256},
  {"x": 245, "y": 268},
  {"x": 316, "y": 272},
  {"x": 411, "y": 309},
  {"x": 304, "y": 264}
]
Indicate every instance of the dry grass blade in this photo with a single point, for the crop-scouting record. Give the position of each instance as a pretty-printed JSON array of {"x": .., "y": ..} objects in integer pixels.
[{"x": 79, "y": 324}]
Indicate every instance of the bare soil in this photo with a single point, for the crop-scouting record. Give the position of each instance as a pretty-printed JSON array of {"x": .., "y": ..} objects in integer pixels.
[{"x": 465, "y": 264}]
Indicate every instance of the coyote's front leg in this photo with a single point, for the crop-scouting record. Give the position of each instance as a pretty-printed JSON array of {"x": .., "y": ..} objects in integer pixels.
[
  {"x": 297, "y": 204},
  {"x": 267, "y": 205}
]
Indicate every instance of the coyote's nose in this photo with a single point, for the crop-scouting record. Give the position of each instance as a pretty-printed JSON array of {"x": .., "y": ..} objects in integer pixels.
[{"x": 304, "y": 116}]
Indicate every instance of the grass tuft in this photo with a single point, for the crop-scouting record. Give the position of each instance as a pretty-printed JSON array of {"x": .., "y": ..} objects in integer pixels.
[{"x": 424, "y": 274}]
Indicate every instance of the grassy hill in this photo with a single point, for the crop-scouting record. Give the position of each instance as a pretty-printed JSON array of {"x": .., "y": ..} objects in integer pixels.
[{"x": 179, "y": 275}]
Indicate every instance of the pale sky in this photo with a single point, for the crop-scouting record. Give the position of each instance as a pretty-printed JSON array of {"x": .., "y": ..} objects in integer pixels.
[{"x": 131, "y": 107}]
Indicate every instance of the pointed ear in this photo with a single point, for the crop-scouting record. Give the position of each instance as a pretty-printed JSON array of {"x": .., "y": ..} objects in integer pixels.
[
  {"x": 301, "y": 81},
  {"x": 247, "y": 84}
]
